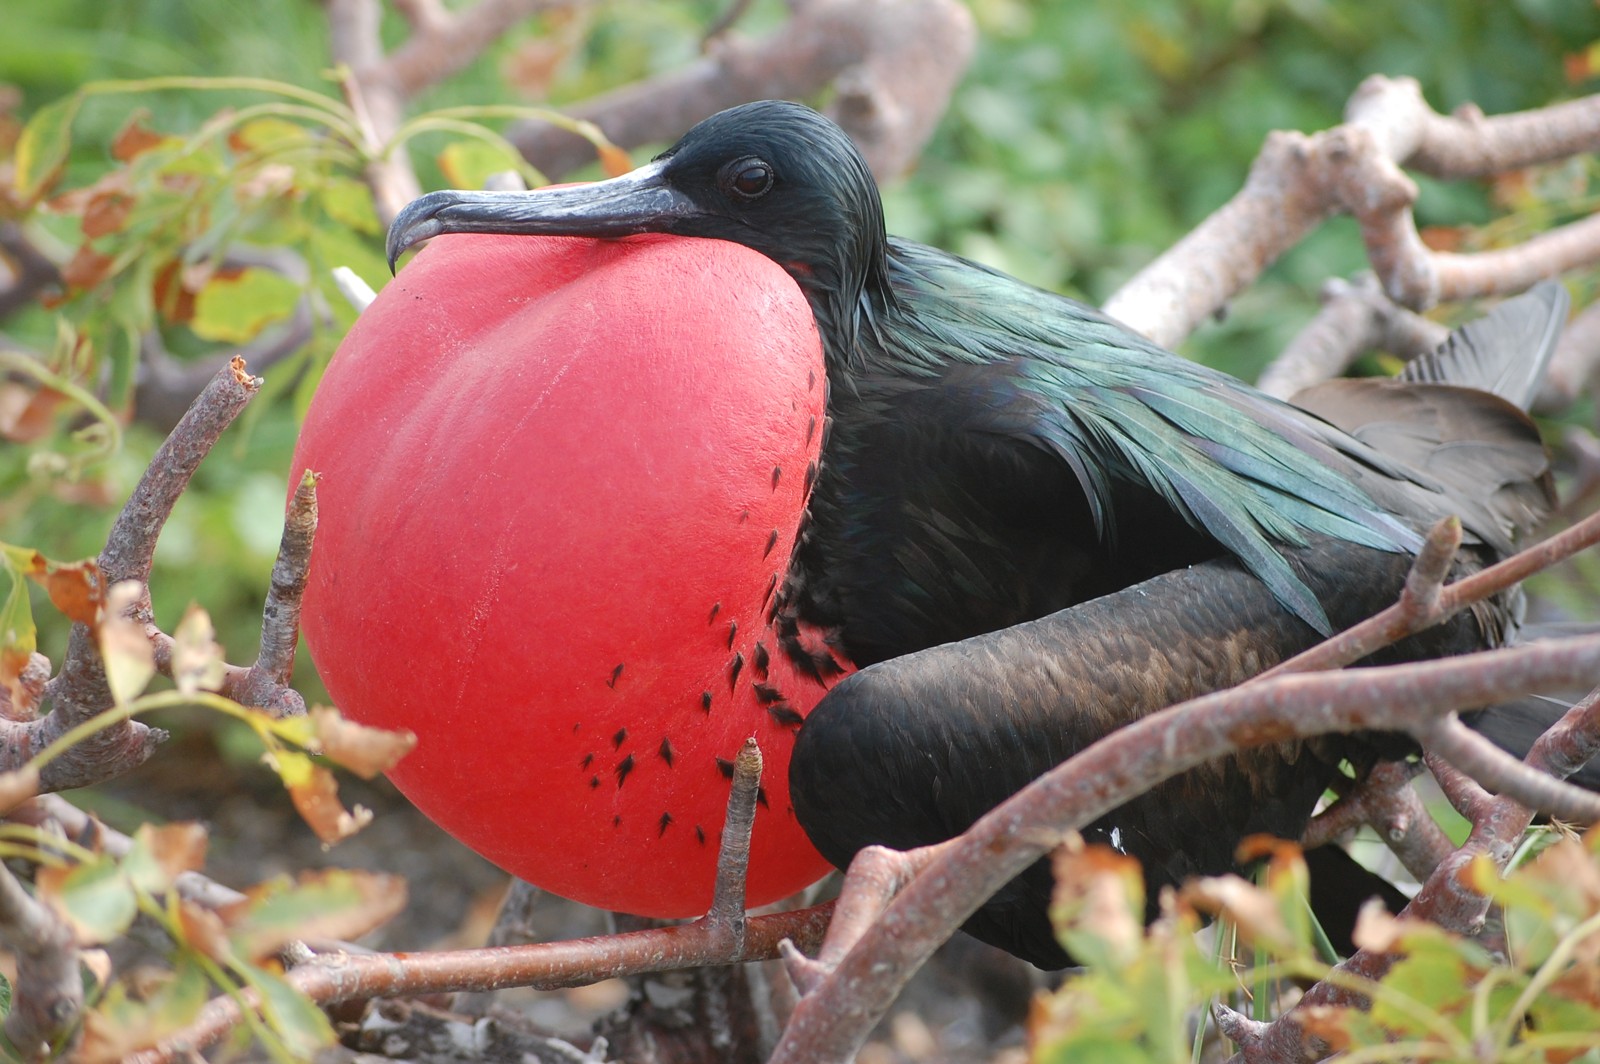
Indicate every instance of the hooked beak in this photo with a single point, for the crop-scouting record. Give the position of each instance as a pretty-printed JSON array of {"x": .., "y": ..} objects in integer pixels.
[{"x": 640, "y": 201}]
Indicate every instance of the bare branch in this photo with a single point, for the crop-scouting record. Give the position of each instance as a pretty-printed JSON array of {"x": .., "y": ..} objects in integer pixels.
[
  {"x": 1356, "y": 317},
  {"x": 48, "y": 993},
  {"x": 54, "y": 811},
  {"x": 266, "y": 683},
  {"x": 1298, "y": 181},
  {"x": 443, "y": 42},
  {"x": 1385, "y": 799},
  {"x": 893, "y": 62},
  {"x": 167, "y": 386},
  {"x": 1468, "y": 144},
  {"x": 1447, "y": 897},
  {"x": 1419, "y": 609},
  {"x": 733, "y": 856},
  {"x": 1572, "y": 742},
  {"x": 79, "y": 691},
  {"x": 1494, "y": 769},
  {"x": 333, "y": 978},
  {"x": 830, "y": 1023},
  {"x": 32, "y": 271}
]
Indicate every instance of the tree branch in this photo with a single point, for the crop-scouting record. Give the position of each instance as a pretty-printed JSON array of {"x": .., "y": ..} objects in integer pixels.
[
  {"x": 1299, "y": 181},
  {"x": 48, "y": 994},
  {"x": 894, "y": 64},
  {"x": 1356, "y": 317},
  {"x": 831, "y": 1022},
  {"x": 79, "y": 691},
  {"x": 723, "y": 936}
]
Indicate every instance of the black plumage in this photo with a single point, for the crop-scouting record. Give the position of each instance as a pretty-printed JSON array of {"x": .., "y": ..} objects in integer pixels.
[{"x": 1129, "y": 528}]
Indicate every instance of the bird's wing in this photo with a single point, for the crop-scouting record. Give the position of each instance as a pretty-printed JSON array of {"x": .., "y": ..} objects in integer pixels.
[{"x": 1254, "y": 473}]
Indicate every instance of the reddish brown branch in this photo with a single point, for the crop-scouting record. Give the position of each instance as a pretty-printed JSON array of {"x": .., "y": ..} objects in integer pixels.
[
  {"x": 1447, "y": 897},
  {"x": 1385, "y": 799},
  {"x": 550, "y": 966},
  {"x": 831, "y": 1022},
  {"x": 1572, "y": 742},
  {"x": 892, "y": 63},
  {"x": 1421, "y": 606},
  {"x": 1494, "y": 769}
]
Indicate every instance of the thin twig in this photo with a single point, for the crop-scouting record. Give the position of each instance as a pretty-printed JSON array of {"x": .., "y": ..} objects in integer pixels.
[{"x": 330, "y": 979}]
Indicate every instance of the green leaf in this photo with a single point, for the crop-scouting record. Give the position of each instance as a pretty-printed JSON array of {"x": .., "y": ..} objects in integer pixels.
[
  {"x": 334, "y": 903},
  {"x": 159, "y": 855},
  {"x": 234, "y": 308},
  {"x": 95, "y": 898},
  {"x": 42, "y": 148},
  {"x": 269, "y": 134},
  {"x": 470, "y": 163},
  {"x": 1437, "y": 974},
  {"x": 18, "y": 637},
  {"x": 294, "y": 1018},
  {"x": 120, "y": 1024},
  {"x": 349, "y": 202}
]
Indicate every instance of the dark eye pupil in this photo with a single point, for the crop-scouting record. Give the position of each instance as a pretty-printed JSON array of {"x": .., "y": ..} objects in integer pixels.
[{"x": 753, "y": 180}]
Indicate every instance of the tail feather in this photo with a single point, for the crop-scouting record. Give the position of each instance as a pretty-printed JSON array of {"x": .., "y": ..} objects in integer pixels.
[
  {"x": 1506, "y": 352},
  {"x": 1456, "y": 416}
]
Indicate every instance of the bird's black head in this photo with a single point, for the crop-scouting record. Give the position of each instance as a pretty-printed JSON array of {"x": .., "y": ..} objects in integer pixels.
[{"x": 774, "y": 176}]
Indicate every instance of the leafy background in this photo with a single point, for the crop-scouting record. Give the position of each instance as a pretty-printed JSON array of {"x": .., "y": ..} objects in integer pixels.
[{"x": 1084, "y": 140}]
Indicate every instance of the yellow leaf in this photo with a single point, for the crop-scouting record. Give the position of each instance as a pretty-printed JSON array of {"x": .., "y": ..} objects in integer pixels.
[
  {"x": 196, "y": 658},
  {"x": 124, "y": 648}
]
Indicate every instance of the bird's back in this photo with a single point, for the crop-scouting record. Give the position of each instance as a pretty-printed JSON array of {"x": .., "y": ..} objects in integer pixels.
[{"x": 912, "y": 750}]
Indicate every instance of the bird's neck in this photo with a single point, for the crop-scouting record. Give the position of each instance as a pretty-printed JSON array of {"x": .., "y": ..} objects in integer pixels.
[{"x": 853, "y": 303}]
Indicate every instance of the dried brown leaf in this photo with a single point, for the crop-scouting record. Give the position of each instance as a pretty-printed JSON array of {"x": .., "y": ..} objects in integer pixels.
[
  {"x": 205, "y": 930},
  {"x": 27, "y": 410},
  {"x": 135, "y": 138},
  {"x": 1253, "y": 909},
  {"x": 197, "y": 663},
  {"x": 365, "y": 751},
  {"x": 1330, "y": 1023},
  {"x": 107, "y": 212},
  {"x": 315, "y": 794},
  {"x": 124, "y": 648},
  {"x": 173, "y": 849},
  {"x": 75, "y": 588},
  {"x": 86, "y": 269},
  {"x": 332, "y": 903},
  {"x": 17, "y": 787}
]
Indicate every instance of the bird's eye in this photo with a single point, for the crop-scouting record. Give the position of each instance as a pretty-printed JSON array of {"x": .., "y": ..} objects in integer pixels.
[{"x": 748, "y": 178}]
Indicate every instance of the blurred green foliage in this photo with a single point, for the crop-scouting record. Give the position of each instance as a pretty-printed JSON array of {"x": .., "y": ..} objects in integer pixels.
[
  {"x": 1143, "y": 990},
  {"x": 1085, "y": 139}
]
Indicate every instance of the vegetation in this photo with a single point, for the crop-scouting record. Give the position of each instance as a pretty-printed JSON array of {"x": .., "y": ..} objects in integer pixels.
[{"x": 193, "y": 175}]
